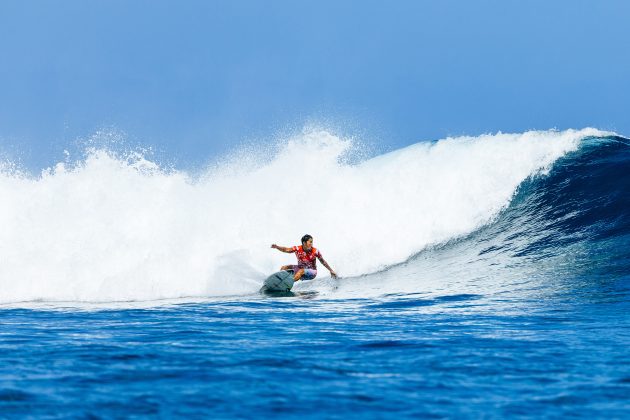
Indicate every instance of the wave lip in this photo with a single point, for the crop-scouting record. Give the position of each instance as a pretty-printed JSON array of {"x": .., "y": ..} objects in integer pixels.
[{"x": 123, "y": 229}]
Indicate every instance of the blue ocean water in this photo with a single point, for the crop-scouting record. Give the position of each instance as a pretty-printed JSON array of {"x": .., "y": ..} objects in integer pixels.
[{"x": 526, "y": 315}]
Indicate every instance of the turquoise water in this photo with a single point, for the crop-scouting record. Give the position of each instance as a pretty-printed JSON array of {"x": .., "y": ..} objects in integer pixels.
[{"x": 403, "y": 355}]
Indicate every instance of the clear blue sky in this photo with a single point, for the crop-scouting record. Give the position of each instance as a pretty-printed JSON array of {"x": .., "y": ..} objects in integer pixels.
[{"x": 195, "y": 78}]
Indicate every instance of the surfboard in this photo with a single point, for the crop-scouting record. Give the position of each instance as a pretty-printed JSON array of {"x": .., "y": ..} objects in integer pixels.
[{"x": 282, "y": 281}]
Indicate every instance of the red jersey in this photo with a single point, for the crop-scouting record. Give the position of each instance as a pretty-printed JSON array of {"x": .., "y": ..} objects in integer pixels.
[{"x": 307, "y": 259}]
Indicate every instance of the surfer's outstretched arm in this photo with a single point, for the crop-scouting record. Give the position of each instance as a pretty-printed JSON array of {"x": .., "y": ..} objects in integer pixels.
[
  {"x": 325, "y": 264},
  {"x": 283, "y": 248}
]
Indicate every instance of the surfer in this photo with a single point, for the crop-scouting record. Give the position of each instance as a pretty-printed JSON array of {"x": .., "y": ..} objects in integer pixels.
[{"x": 306, "y": 254}]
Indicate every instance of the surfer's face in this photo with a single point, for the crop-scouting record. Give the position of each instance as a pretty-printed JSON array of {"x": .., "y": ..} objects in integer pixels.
[{"x": 308, "y": 244}]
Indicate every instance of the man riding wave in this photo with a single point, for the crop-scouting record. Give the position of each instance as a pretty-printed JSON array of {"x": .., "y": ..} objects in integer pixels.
[{"x": 306, "y": 254}]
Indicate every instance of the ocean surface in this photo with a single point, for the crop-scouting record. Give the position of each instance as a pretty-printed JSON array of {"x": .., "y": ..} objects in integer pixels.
[{"x": 480, "y": 277}]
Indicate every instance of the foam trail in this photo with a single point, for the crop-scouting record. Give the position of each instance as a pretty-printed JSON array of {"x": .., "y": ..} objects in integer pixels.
[{"x": 111, "y": 229}]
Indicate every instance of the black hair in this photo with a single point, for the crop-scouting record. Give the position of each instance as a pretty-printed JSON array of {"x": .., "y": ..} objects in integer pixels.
[{"x": 306, "y": 238}]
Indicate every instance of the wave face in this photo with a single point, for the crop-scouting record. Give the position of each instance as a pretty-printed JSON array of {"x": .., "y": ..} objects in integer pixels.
[
  {"x": 564, "y": 229},
  {"x": 112, "y": 228}
]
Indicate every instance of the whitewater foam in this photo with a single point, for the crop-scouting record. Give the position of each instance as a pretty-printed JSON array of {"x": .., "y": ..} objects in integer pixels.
[{"x": 113, "y": 228}]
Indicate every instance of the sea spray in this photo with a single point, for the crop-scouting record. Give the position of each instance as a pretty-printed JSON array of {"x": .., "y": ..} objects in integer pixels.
[{"x": 114, "y": 228}]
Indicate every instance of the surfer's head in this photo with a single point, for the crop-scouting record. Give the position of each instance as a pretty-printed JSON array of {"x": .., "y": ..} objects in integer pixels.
[{"x": 307, "y": 241}]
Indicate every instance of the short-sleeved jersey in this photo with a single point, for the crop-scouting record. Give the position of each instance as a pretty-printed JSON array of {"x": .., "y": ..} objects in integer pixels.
[{"x": 307, "y": 259}]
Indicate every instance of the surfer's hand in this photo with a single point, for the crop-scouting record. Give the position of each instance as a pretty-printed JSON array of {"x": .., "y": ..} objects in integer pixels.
[
  {"x": 274, "y": 246},
  {"x": 333, "y": 274}
]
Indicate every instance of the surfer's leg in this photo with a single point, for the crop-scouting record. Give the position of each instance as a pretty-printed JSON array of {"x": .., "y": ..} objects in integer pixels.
[
  {"x": 293, "y": 268},
  {"x": 298, "y": 274}
]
